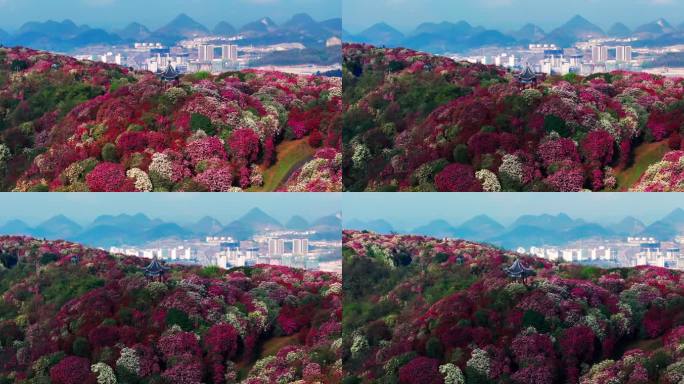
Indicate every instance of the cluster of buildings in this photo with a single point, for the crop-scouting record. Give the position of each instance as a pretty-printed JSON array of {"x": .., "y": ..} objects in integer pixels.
[
  {"x": 215, "y": 58},
  {"x": 631, "y": 252},
  {"x": 192, "y": 56},
  {"x": 178, "y": 253},
  {"x": 585, "y": 58},
  {"x": 275, "y": 251},
  {"x": 574, "y": 255}
]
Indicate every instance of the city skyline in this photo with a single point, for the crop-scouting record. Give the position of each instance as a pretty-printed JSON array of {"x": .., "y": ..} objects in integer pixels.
[
  {"x": 114, "y": 14},
  {"x": 34, "y": 208},
  {"x": 406, "y": 15},
  {"x": 456, "y": 208}
]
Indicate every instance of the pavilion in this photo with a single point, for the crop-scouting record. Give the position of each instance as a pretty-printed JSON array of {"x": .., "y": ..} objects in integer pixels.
[
  {"x": 519, "y": 271},
  {"x": 155, "y": 269}
]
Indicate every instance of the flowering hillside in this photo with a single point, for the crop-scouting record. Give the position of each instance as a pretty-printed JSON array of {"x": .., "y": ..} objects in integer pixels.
[
  {"x": 415, "y": 122},
  {"x": 424, "y": 310},
  {"x": 67, "y": 125},
  {"x": 70, "y": 314}
]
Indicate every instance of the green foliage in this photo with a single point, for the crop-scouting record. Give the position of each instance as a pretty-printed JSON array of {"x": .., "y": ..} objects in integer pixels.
[
  {"x": 199, "y": 121},
  {"x": 177, "y": 317},
  {"x": 109, "y": 153},
  {"x": 441, "y": 257},
  {"x": 396, "y": 66},
  {"x": 40, "y": 188},
  {"x": 553, "y": 123},
  {"x": 61, "y": 287},
  {"x": 117, "y": 84},
  {"x": 201, "y": 75},
  {"x": 18, "y": 65},
  {"x": 81, "y": 347},
  {"x": 211, "y": 272},
  {"x": 8, "y": 260},
  {"x": 657, "y": 362},
  {"x": 434, "y": 348},
  {"x": 351, "y": 380},
  {"x": 48, "y": 258},
  {"x": 461, "y": 154},
  {"x": 535, "y": 319}
]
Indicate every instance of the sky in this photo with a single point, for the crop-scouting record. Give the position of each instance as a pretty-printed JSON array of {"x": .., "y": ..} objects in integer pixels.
[
  {"x": 112, "y": 14},
  {"x": 410, "y": 210},
  {"x": 180, "y": 208},
  {"x": 507, "y": 14}
]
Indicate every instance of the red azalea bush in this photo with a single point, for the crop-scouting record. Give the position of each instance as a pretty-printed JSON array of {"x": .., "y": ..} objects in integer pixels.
[
  {"x": 457, "y": 178},
  {"x": 71, "y": 370},
  {"x": 420, "y": 370},
  {"x": 109, "y": 177}
]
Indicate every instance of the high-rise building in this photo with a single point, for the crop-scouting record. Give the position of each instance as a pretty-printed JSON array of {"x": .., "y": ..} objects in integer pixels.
[
  {"x": 205, "y": 53},
  {"x": 623, "y": 54},
  {"x": 229, "y": 52},
  {"x": 599, "y": 54}
]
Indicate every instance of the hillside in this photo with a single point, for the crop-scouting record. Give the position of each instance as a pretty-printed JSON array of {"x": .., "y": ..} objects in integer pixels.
[
  {"x": 67, "y": 125},
  {"x": 424, "y": 310},
  {"x": 70, "y": 314},
  {"x": 417, "y": 122}
]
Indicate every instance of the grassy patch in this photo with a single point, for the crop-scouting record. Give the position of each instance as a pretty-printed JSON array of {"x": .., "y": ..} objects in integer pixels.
[
  {"x": 291, "y": 155},
  {"x": 644, "y": 156}
]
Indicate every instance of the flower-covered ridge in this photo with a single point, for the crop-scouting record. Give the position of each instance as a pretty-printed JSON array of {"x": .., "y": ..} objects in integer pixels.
[
  {"x": 417, "y": 122},
  {"x": 69, "y": 125},
  {"x": 426, "y": 310},
  {"x": 71, "y": 314}
]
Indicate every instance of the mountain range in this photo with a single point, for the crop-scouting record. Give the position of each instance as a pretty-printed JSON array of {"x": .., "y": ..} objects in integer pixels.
[
  {"x": 124, "y": 229},
  {"x": 462, "y": 36},
  {"x": 67, "y": 35},
  {"x": 529, "y": 230}
]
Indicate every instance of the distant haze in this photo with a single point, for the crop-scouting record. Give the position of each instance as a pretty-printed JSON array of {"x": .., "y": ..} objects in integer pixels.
[
  {"x": 154, "y": 13},
  {"x": 406, "y": 211},
  {"x": 178, "y": 207},
  {"x": 507, "y": 14}
]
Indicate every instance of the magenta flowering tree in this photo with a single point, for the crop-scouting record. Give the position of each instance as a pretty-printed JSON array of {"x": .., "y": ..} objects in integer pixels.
[
  {"x": 597, "y": 147},
  {"x": 244, "y": 143},
  {"x": 109, "y": 177},
  {"x": 205, "y": 149},
  {"x": 421, "y": 370},
  {"x": 457, "y": 178},
  {"x": 216, "y": 179},
  {"x": 72, "y": 370},
  {"x": 222, "y": 340}
]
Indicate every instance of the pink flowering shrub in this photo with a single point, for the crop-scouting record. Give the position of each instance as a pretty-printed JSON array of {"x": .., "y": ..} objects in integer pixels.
[
  {"x": 72, "y": 370},
  {"x": 457, "y": 178},
  {"x": 420, "y": 370},
  {"x": 109, "y": 177}
]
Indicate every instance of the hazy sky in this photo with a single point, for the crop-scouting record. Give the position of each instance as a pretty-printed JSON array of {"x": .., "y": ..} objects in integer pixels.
[
  {"x": 410, "y": 210},
  {"x": 155, "y": 13},
  {"x": 507, "y": 14},
  {"x": 178, "y": 207}
]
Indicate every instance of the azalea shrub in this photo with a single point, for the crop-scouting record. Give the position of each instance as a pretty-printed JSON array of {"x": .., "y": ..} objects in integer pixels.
[
  {"x": 83, "y": 315},
  {"x": 425, "y": 310},
  {"x": 418, "y": 122},
  {"x": 68, "y": 125}
]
